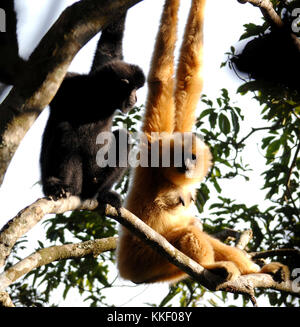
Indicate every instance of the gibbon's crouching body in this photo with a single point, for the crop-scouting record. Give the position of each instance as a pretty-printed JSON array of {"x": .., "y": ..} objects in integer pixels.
[
  {"x": 73, "y": 160},
  {"x": 271, "y": 59},
  {"x": 83, "y": 107},
  {"x": 162, "y": 196}
]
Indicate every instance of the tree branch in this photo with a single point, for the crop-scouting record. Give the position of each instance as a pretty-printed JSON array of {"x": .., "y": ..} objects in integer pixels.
[
  {"x": 273, "y": 253},
  {"x": 254, "y": 130},
  {"x": 54, "y": 253},
  {"x": 242, "y": 238},
  {"x": 267, "y": 10},
  {"x": 47, "y": 67},
  {"x": 5, "y": 300},
  {"x": 31, "y": 215},
  {"x": 245, "y": 284}
]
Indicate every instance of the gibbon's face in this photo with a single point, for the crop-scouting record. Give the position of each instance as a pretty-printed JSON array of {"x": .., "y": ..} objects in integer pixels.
[
  {"x": 129, "y": 100},
  {"x": 189, "y": 158}
]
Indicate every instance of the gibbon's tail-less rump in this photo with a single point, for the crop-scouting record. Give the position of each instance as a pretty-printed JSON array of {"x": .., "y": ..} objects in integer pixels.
[
  {"x": 83, "y": 108},
  {"x": 161, "y": 195}
]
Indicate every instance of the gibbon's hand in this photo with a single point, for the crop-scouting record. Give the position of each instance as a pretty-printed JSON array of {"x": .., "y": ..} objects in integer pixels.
[{"x": 110, "y": 197}]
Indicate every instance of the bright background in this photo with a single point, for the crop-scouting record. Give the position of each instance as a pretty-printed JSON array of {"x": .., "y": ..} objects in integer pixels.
[{"x": 223, "y": 27}]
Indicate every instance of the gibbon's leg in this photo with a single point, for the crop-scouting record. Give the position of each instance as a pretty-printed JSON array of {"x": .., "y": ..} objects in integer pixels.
[
  {"x": 225, "y": 252},
  {"x": 189, "y": 71},
  {"x": 245, "y": 265},
  {"x": 198, "y": 246},
  {"x": 108, "y": 176},
  {"x": 160, "y": 113},
  {"x": 226, "y": 261},
  {"x": 147, "y": 266}
]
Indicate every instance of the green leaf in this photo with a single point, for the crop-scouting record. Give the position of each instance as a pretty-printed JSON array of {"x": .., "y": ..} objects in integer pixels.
[
  {"x": 217, "y": 186},
  {"x": 224, "y": 124},
  {"x": 205, "y": 113},
  {"x": 273, "y": 148},
  {"x": 235, "y": 122},
  {"x": 213, "y": 119},
  {"x": 249, "y": 86},
  {"x": 266, "y": 141}
]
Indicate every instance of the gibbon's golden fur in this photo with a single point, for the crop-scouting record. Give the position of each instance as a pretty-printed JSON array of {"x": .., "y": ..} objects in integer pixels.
[{"x": 162, "y": 196}]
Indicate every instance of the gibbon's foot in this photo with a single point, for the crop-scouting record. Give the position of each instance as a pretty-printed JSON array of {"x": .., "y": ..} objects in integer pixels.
[
  {"x": 110, "y": 197},
  {"x": 56, "y": 190},
  {"x": 227, "y": 270},
  {"x": 278, "y": 271},
  {"x": 61, "y": 195}
]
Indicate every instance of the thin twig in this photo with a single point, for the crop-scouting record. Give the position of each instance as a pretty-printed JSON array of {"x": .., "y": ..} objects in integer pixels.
[
  {"x": 272, "y": 253},
  {"x": 243, "y": 239},
  {"x": 253, "y": 130}
]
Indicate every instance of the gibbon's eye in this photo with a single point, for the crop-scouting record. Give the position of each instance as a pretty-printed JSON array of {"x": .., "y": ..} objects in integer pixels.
[
  {"x": 124, "y": 80},
  {"x": 194, "y": 157}
]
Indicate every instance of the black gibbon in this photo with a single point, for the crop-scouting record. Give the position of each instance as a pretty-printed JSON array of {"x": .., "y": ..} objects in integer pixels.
[
  {"x": 272, "y": 59},
  {"x": 84, "y": 107},
  {"x": 162, "y": 196}
]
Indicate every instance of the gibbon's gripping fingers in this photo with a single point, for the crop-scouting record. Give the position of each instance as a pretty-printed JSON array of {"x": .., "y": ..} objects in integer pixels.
[
  {"x": 160, "y": 113},
  {"x": 54, "y": 189},
  {"x": 226, "y": 270},
  {"x": 68, "y": 181},
  {"x": 189, "y": 71},
  {"x": 277, "y": 270}
]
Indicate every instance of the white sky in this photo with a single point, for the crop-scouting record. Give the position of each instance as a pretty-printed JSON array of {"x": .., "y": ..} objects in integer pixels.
[{"x": 223, "y": 26}]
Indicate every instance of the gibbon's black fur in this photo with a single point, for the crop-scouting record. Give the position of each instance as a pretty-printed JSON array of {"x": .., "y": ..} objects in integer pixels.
[
  {"x": 83, "y": 107},
  {"x": 110, "y": 45},
  {"x": 272, "y": 59}
]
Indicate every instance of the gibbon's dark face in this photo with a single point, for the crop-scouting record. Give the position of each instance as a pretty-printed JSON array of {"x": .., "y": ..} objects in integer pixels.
[
  {"x": 130, "y": 98},
  {"x": 118, "y": 82}
]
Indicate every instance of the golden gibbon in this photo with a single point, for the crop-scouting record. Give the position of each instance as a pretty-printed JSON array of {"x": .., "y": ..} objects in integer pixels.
[{"x": 162, "y": 196}]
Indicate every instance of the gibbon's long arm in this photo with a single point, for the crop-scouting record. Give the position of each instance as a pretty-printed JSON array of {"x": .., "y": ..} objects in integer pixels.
[
  {"x": 189, "y": 71},
  {"x": 160, "y": 111}
]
